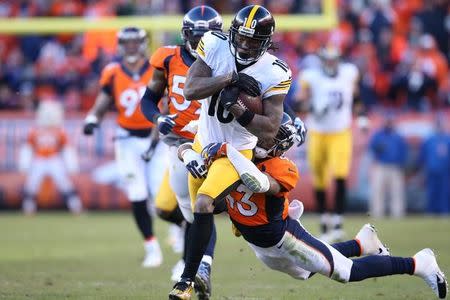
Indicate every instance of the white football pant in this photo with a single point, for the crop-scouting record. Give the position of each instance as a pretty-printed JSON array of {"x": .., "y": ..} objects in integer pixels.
[
  {"x": 47, "y": 166},
  {"x": 178, "y": 179},
  {"x": 140, "y": 178},
  {"x": 299, "y": 254}
]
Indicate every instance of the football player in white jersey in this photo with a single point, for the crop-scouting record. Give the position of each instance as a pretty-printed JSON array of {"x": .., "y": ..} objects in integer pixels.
[
  {"x": 328, "y": 94},
  {"x": 227, "y": 65}
]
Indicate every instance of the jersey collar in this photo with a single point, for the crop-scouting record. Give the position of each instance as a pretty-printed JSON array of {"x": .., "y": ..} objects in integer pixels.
[
  {"x": 186, "y": 56},
  {"x": 141, "y": 71}
]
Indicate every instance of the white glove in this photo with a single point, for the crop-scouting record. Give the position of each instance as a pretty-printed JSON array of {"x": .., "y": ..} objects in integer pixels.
[
  {"x": 301, "y": 131},
  {"x": 194, "y": 163},
  {"x": 295, "y": 209}
]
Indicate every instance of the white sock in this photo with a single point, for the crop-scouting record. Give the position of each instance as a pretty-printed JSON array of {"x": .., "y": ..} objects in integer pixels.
[{"x": 207, "y": 259}]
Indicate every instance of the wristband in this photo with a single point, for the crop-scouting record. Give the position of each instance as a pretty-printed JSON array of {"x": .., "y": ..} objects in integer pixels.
[{"x": 245, "y": 118}]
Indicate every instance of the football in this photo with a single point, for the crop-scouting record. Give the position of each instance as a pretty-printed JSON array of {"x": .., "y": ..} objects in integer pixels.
[{"x": 253, "y": 104}]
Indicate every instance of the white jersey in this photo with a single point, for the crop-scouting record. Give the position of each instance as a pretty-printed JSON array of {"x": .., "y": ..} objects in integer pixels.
[
  {"x": 216, "y": 123},
  {"x": 331, "y": 97}
]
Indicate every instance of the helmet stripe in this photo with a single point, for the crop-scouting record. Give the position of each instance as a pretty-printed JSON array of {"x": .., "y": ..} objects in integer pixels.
[{"x": 251, "y": 15}]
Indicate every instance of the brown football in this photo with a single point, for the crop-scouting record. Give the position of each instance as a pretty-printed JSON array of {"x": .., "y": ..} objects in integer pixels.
[{"x": 253, "y": 104}]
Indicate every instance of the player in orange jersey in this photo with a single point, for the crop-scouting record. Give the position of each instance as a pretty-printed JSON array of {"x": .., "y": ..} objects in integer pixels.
[
  {"x": 171, "y": 64},
  {"x": 259, "y": 208},
  {"x": 123, "y": 83},
  {"x": 47, "y": 153}
]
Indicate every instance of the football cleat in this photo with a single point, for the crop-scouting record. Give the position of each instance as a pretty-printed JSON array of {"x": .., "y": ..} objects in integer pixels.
[
  {"x": 369, "y": 242},
  {"x": 177, "y": 271},
  {"x": 426, "y": 267},
  {"x": 153, "y": 257},
  {"x": 202, "y": 284},
  {"x": 182, "y": 290}
]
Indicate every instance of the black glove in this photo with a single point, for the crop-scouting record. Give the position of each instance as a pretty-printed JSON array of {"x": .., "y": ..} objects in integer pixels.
[
  {"x": 246, "y": 83},
  {"x": 88, "y": 128},
  {"x": 228, "y": 96}
]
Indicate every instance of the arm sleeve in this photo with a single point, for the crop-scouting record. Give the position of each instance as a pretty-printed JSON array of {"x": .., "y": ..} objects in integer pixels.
[
  {"x": 149, "y": 105},
  {"x": 250, "y": 175}
]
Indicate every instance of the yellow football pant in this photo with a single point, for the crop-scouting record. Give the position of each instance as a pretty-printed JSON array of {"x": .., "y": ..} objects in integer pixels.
[
  {"x": 220, "y": 179},
  {"x": 329, "y": 152},
  {"x": 165, "y": 198}
]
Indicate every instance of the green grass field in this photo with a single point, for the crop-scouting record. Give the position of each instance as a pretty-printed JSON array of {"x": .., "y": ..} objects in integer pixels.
[{"x": 98, "y": 256}]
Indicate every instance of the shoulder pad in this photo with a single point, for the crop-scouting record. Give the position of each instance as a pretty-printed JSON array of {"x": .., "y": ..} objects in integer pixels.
[{"x": 158, "y": 57}]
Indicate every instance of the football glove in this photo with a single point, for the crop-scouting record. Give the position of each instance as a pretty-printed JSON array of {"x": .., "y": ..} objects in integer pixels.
[
  {"x": 194, "y": 164},
  {"x": 90, "y": 123},
  {"x": 166, "y": 123},
  {"x": 246, "y": 83},
  {"x": 228, "y": 96},
  {"x": 213, "y": 151},
  {"x": 301, "y": 131}
]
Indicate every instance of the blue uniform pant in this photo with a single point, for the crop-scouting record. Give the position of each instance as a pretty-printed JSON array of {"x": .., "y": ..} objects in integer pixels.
[{"x": 438, "y": 192}]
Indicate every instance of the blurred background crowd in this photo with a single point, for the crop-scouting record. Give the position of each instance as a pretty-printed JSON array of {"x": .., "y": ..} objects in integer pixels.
[{"x": 401, "y": 47}]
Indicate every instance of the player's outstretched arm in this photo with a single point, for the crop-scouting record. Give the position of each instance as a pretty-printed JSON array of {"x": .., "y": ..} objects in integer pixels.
[
  {"x": 96, "y": 113},
  {"x": 153, "y": 94},
  {"x": 101, "y": 105},
  {"x": 199, "y": 83},
  {"x": 265, "y": 126},
  {"x": 150, "y": 100}
]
